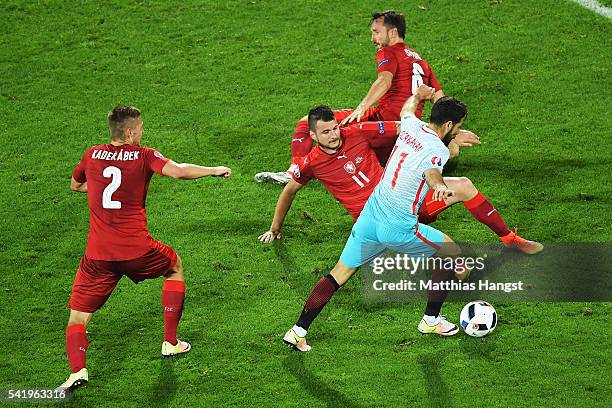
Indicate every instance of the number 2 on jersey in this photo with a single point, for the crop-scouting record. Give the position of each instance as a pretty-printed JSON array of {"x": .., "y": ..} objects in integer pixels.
[{"x": 107, "y": 201}]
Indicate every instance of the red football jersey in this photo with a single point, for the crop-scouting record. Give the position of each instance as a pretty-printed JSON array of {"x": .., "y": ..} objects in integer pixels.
[
  {"x": 117, "y": 183},
  {"x": 409, "y": 72},
  {"x": 351, "y": 173}
]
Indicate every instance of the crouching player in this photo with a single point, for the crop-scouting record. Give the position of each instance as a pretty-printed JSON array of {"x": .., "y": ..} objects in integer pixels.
[
  {"x": 345, "y": 162},
  {"x": 116, "y": 178},
  {"x": 389, "y": 219}
]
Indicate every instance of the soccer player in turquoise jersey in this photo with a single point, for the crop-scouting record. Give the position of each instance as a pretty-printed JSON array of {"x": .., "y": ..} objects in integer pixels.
[{"x": 390, "y": 217}]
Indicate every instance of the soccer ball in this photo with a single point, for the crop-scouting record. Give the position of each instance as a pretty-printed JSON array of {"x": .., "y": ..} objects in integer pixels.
[{"x": 478, "y": 318}]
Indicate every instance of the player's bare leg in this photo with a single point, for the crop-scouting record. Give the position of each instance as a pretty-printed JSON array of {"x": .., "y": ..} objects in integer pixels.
[
  {"x": 481, "y": 209},
  {"x": 173, "y": 297},
  {"x": 76, "y": 350},
  {"x": 433, "y": 321},
  {"x": 320, "y": 295}
]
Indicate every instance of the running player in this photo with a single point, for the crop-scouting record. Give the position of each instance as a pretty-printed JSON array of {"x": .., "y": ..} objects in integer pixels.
[
  {"x": 116, "y": 178},
  {"x": 400, "y": 71},
  {"x": 390, "y": 217},
  {"x": 344, "y": 161}
]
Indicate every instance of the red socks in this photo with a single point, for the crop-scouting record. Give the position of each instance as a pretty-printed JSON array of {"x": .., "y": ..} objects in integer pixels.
[
  {"x": 173, "y": 296},
  {"x": 484, "y": 212},
  {"x": 320, "y": 295},
  {"x": 76, "y": 346},
  {"x": 301, "y": 144}
]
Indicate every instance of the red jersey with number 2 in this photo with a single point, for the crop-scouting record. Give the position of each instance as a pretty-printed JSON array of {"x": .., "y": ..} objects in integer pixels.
[
  {"x": 117, "y": 183},
  {"x": 409, "y": 72},
  {"x": 352, "y": 172}
]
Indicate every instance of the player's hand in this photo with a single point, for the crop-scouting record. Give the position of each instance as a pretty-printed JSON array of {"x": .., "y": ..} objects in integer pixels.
[
  {"x": 425, "y": 92},
  {"x": 465, "y": 138},
  {"x": 441, "y": 192},
  {"x": 355, "y": 115},
  {"x": 269, "y": 236},
  {"x": 222, "y": 171},
  {"x": 453, "y": 148}
]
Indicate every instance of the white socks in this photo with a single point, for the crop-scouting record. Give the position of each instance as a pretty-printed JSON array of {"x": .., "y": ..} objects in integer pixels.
[
  {"x": 299, "y": 331},
  {"x": 430, "y": 320}
]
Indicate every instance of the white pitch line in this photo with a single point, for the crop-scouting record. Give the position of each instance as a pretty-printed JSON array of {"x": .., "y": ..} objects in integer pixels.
[{"x": 596, "y": 7}]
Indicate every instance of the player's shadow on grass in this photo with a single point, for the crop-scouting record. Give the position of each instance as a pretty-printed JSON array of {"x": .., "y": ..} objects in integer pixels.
[
  {"x": 437, "y": 390},
  {"x": 77, "y": 400},
  {"x": 294, "y": 363},
  {"x": 482, "y": 348},
  {"x": 165, "y": 389},
  {"x": 286, "y": 260}
]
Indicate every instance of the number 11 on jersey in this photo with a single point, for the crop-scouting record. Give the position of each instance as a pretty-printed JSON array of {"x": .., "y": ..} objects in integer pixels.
[{"x": 361, "y": 182}]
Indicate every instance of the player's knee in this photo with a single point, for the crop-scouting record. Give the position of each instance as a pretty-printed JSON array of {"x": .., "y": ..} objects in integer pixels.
[
  {"x": 176, "y": 272},
  {"x": 77, "y": 317},
  {"x": 342, "y": 273},
  {"x": 449, "y": 248},
  {"x": 453, "y": 249},
  {"x": 467, "y": 188},
  {"x": 178, "y": 267}
]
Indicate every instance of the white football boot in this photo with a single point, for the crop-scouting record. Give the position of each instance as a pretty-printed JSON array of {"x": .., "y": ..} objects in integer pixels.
[
  {"x": 169, "y": 349},
  {"x": 281, "y": 177},
  {"x": 75, "y": 381},
  {"x": 296, "y": 342},
  {"x": 443, "y": 327}
]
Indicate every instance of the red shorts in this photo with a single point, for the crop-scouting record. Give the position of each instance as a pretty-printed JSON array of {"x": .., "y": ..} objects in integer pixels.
[
  {"x": 95, "y": 280},
  {"x": 429, "y": 210}
]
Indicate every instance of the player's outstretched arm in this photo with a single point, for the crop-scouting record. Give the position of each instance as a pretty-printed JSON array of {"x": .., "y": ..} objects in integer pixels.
[
  {"x": 78, "y": 187},
  {"x": 435, "y": 181},
  {"x": 422, "y": 93},
  {"x": 282, "y": 208},
  {"x": 187, "y": 171},
  {"x": 377, "y": 90},
  {"x": 464, "y": 138}
]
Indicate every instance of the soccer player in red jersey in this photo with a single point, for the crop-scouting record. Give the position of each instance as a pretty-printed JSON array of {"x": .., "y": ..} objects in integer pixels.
[
  {"x": 344, "y": 161},
  {"x": 116, "y": 178},
  {"x": 400, "y": 71},
  {"x": 394, "y": 225}
]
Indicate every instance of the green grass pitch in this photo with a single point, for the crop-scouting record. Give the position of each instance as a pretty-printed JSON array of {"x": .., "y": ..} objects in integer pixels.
[{"x": 224, "y": 83}]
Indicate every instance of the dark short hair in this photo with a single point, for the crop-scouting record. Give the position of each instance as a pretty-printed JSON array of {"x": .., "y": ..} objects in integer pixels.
[
  {"x": 392, "y": 19},
  {"x": 447, "y": 108},
  {"x": 118, "y": 119},
  {"x": 321, "y": 112}
]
